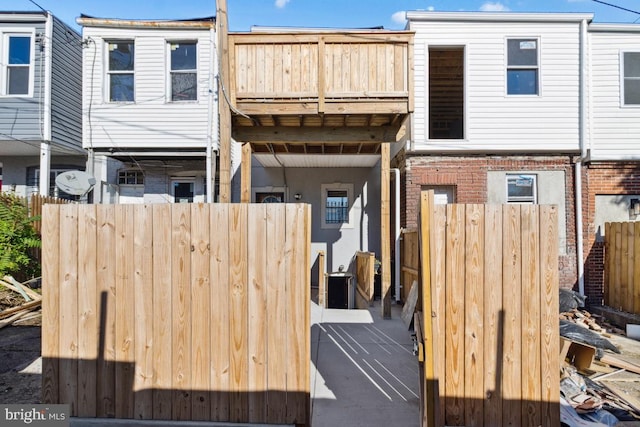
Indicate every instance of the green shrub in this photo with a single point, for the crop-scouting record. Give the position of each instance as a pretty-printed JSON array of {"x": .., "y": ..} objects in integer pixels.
[{"x": 18, "y": 239}]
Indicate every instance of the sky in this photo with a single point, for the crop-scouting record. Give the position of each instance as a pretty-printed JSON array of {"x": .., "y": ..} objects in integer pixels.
[{"x": 243, "y": 14}]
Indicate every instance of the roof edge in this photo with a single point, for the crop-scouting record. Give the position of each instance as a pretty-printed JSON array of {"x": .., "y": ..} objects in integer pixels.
[
  {"x": 195, "y": 23},
  {"x": 497, "y": 16},
  {"x": 614, "y": 28}
]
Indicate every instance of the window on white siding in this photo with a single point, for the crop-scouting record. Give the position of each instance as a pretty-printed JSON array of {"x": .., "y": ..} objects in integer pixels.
[
  {"x": 17, "y": 64},
  {"x": 121, "y": 71},
  {"x": 336, "y": 205},
  {"x": 183, "y": 75},
  {"x": 631, "y": 78},
  {"x": 522, "y": 189},
  {"x": 446, "y": 92},
  {"x": 522, "y": 67}
]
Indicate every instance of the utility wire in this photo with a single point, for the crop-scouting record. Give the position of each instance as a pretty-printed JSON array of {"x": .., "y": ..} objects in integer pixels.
[{"x": 617, "y": 7}]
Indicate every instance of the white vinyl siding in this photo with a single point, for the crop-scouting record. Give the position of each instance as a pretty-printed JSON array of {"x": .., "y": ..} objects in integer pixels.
[
  {"x": 614, "y": 127},
  {"x": 494, "y": 121},
  {"x": 153, "y": 120}
]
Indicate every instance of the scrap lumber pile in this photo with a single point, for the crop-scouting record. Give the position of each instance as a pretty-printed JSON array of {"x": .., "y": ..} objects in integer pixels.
[
  {"x": 592, "y": 368},
  {"x": 19, "y": 302}
]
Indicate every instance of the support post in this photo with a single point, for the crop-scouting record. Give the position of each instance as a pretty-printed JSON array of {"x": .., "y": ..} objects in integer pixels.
[
  {"x": 385, "y": 237},
  {"x": 225, "y": 109},
  {"x": 245, "y": 174},
  {"x": 45, "y": 167}
]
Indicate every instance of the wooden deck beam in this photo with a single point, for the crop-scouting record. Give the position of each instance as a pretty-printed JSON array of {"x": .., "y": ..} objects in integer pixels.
[{"x": 317, "y": 135}]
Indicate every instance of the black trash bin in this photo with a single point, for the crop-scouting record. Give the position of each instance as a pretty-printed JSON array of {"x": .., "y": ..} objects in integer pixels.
[{"x": 338, "y": 289}]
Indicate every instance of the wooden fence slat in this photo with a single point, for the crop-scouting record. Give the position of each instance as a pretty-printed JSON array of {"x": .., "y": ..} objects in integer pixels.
[
  {"x": 162, "y": 312},
  {"x": 106, "y": 279},
  {"x": 68, "y": 352},
  {"x": 616, "y": 297},
  {"x": 200, "y": 297},
  {"x": 636, "y": 269},
  {"x": 625, "y": 286},
  {"x": 220, "y": 302},
  {"x": 239, "y": 381},
  {"x": 181, "y": 318},
  {"x": 50, "y": 303},
  {"x": 474, "y": 315},
  {"x": 257, "y": 306},
  {"x": 608, "y": 259},
  {"x": 438, "y": 301},
  {"x": 276, "y": 316},
  {"x": 125, "y": 312},
  {"x": 493, "y": 315},
  {"x": 531, "y": 363},
  {"x": 512, "y": 305},
  {"x": 549, "y": 323},
  {"x": 629, "y": 272},
  {"x": 143, "y": 309},
  {"x": 455, "y": 351},
  {"x": 87, "y": 312}
]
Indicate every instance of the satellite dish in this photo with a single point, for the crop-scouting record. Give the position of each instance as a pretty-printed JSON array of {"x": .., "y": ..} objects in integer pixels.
[{"x": 76, "y": 183}]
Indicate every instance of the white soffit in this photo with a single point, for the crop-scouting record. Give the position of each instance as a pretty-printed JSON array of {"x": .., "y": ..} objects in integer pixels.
[{"x": 317, "y": 160}]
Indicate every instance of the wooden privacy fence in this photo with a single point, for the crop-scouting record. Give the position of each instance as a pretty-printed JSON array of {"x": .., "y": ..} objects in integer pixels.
[
  {"x": 36, "y": 202},
  {"x": 490, "y": 329},
  {"x": 365, "y": 275},
  {"x": 622, "y": 266},
  {"x": 183, "y": 312},
  {"x": 409, "y": 261}
]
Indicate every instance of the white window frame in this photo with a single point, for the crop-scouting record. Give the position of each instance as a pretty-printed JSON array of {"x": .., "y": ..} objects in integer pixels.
[
  {"x": 324, "y": 188},
  {"x": 623, "y": 78},
  {"x": 170, "y": 71},
  {"x": 536, "y": 67},
  {"x": 533, "y": 177},
  {"x": 109, "y": 72},
  {"x": 4, "y": 62}
]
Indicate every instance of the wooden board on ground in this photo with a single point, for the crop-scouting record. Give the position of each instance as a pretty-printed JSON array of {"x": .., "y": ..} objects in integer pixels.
[{"x": 410, "y": 305}]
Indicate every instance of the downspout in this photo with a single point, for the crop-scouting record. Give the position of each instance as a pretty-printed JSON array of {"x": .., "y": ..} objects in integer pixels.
[
  {"x": 396, "y": 276},
  {"x": 45, "y": 53},
  {"x": 583, "y": 154},
  {"x": 212, "y": 114}
]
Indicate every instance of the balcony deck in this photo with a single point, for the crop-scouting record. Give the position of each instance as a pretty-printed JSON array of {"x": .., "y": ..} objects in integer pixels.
[{"x": 321, "y": 91}]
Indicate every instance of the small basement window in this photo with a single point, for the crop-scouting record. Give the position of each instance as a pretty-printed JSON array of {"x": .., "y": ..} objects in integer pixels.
[{"x": 522, "y": 189}]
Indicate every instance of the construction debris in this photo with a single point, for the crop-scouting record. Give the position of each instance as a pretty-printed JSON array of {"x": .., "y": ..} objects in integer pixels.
[
  {"x": 19, "y": 302},
  {"x": 591, "y": 395}
]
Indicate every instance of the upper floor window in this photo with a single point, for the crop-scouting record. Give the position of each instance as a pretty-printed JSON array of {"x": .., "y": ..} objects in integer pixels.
[
  {"x": 522, "y": 189},
  {"x": 631, "y": 78},
  {"x": 130, "y": 177},
  {"x": 120, "y": 71},
  {"x": 446, "y": 92},
  {"x": 522, "y": 67},
  {"x": 183, "y": 75},
  {"x": 17, "y": 64}
]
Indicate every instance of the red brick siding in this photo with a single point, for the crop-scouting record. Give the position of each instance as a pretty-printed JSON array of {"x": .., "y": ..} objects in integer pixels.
[
  {"x": 469, "y": 177},
  {"x": 602, "y": 178}
]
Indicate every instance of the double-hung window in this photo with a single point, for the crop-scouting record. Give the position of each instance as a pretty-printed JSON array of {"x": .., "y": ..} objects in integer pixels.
[
  {"x": 120, "y": 72},
  {"x": 183, "y": 77},
  {"x": 17, "y": 64},
  {"x": 522, "y": 189},
  {"x": 522, "y": 67},
  {"x": 631, "y": 78}
]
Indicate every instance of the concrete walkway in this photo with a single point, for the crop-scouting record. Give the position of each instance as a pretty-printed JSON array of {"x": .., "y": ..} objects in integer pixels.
[{"x": 363, "y": 371}]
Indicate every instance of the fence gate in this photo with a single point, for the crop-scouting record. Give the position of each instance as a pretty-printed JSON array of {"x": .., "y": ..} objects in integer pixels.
[
  {"x": 622, "y": 266},
  {"x": 490, "y": 326},
  {"x": 183, "y": 312}
]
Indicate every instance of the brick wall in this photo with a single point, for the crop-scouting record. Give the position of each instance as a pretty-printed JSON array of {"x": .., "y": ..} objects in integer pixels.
[
  {"x": 602, "y": 178},
  {"x": 469, "y": 177}
]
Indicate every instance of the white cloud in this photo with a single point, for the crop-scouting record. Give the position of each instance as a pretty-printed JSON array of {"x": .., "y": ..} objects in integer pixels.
[
  {"x": 281, "y": 3},
  {"x": 491, "y": 6},
  {"x": 431, "y": 8},
  {"x": 399, "y": 17}
]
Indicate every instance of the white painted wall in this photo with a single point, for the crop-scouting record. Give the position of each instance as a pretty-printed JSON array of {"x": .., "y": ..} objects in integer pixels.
[
  {"x": 496, "y": 122},
  {"x": 152, "y": 121},
  {"x": 614, "y": 129}
]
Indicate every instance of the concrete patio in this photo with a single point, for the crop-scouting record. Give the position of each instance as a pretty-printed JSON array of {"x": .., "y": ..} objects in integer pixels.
[{"x": 363, "y": 371}]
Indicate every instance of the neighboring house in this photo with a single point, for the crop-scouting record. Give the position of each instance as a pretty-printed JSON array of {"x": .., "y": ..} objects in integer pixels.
[
  {"x": 40, "y": 102},
  {"x": 498, "y": 114},
  {"x": 149, "y": 109},
  {"x": 611, "y": 179}
]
